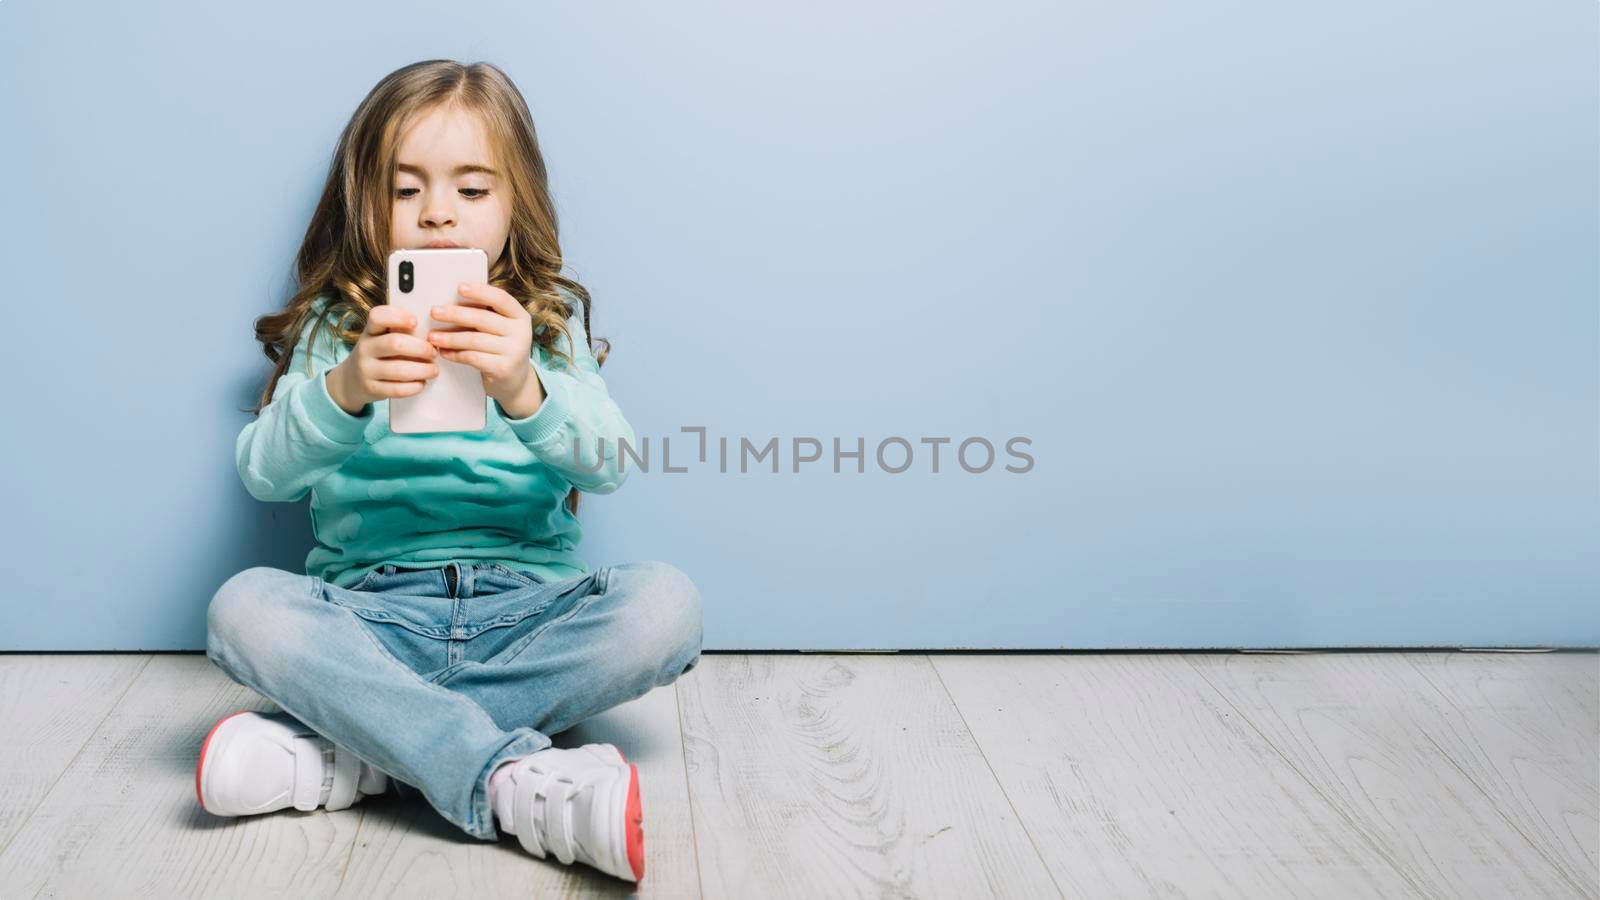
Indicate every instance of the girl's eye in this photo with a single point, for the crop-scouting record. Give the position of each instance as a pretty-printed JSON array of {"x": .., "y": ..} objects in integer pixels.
[{"x": 471, "y": 193}]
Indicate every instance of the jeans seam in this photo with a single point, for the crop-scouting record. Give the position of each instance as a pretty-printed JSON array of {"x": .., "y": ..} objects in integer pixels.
[
  {"x": 505, "y": 621},
  {"x": 515, "y": 650},
  {"x": 386, "y": 617},
  {"x": 513, "y": 573},
  {"x": 362, "y": 623},
  {"x": 450, "y": 669}
]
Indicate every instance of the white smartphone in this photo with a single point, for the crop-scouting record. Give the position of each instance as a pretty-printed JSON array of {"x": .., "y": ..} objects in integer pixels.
[{"x": 453, "y": 400}]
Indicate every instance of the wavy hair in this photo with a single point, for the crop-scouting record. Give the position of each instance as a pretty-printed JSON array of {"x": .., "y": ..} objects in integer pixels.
[{"x": 345, "y": 250}]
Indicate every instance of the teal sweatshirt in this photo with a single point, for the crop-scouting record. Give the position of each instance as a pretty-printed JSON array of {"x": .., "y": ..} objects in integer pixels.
[{"x": 494, "y": 495}]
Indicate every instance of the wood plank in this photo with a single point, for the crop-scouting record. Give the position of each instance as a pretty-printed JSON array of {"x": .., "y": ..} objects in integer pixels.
[
  {"x": 1364, "y": 729},
  {"x": 829, "y": 775},
  {"x": 1136, "y": 779},
  {"x": 1526, "y": 734},
  {"x": 50, "y": 703},
  {"x": 405, "y": 849},
  {"x": 124, "y": 817}
]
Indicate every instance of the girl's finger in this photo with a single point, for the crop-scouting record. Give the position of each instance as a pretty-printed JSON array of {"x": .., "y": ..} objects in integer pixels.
[
  {"x": 386, "y": 318},
  {"x": 395, "y": 344},
  {"x": 481, "y": 319},
  {"x": 465, "y": 340},
  {"x": 398, "y": 370},
  {"x": 494, "y": 298},
  {"x": 474, "y": 358}
]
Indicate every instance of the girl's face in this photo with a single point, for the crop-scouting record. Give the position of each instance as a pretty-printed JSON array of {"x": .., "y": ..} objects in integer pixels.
[{"x": 446, "y": 188}]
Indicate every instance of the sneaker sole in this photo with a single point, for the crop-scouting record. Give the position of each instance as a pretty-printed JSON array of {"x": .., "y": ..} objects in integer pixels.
[
  {"x": 633, "y": 817},
  {"x": 205, "y": 748}
]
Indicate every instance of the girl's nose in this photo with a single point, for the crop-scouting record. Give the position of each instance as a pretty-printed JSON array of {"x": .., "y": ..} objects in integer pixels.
[{"x": 436, "y": 217}]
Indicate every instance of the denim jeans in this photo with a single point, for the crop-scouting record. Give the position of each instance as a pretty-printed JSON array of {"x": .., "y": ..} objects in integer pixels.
[{"x": 437, "y": 675}]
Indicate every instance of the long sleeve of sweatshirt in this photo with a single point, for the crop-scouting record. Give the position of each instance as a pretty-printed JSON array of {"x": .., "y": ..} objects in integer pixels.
[
  {"x": 578, "y": 430},
  {"x": 302, "y": 435}
]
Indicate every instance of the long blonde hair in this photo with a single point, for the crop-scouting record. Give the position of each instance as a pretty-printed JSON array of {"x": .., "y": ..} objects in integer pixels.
[{"x": 345, "y": 250}]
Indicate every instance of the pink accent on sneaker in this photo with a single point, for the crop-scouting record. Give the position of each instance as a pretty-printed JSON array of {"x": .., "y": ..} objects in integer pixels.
[
  {"x": 200, "y": 765},
  {"x": 635, "y": 820}
]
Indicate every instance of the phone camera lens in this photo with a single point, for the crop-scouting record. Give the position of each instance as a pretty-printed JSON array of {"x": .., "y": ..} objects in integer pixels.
[{"x": 405, "y": 276}]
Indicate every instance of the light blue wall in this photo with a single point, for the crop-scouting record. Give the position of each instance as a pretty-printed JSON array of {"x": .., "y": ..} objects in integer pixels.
[{"x": 1297, "y": 305}]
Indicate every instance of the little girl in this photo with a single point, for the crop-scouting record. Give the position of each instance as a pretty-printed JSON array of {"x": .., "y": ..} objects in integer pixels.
[{"x": 445, "y": 626}]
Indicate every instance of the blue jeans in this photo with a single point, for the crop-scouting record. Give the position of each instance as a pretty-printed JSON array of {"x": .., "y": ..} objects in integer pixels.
[{"x": 437, "y": 675}]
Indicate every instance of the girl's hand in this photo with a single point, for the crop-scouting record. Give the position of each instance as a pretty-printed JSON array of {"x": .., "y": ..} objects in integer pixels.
[
  {"x": 388, "y": 360},
  {"x": 497, "y": 340}
]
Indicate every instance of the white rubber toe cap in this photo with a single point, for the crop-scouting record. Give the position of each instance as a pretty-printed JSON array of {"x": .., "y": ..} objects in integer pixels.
[{"x": 246, "y": 766}]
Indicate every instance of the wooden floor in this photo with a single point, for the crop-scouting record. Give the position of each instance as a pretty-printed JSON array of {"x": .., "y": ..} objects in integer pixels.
[{"x": 1342, "y": 775}]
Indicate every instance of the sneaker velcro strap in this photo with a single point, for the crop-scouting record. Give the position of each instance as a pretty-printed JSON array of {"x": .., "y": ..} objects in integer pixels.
[
  {"x": 307, "y": 774},
  {"x": 523, "y": 812},
  {"x": 558, "y": 819},
  {"x": 346, "y": 772}
]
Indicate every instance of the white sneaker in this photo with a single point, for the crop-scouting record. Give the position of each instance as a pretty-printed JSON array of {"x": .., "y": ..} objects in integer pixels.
[
  {"x": 255, "y": 763},
  {"x": 578, "y": 803}
]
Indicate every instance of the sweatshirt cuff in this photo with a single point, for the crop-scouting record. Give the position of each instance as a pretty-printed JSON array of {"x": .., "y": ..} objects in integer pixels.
[
  {"x": 548, "y": 420},
  {"x": 329, "y": 417}
]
